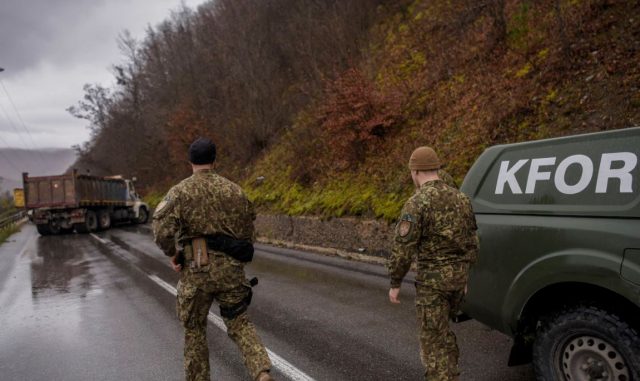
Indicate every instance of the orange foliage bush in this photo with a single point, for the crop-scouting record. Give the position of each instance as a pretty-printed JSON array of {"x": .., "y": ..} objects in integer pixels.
[
  {"x": 356, "y": 118},
  {"x": 184, "y": 125}
]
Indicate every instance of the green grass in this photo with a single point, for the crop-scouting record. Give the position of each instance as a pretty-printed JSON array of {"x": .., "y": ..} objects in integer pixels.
[
  {"x": 7, "y": 231},
  {"x": 153, "y": 198},
  {"x": 8, "y": 213},
  {"x": 336, "y": 198}
]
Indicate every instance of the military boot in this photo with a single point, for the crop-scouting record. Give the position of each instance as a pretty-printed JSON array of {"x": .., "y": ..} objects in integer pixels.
[{"x": 264, "y": 376}]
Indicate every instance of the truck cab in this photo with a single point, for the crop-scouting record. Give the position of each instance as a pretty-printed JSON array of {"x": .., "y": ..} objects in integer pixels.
[
  {"x": 559, "y": 262},
  {"x": 134, "y": 201}
]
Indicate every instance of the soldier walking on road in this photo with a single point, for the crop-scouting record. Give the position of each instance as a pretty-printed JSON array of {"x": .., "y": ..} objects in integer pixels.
[
  {"x": 205, "y": 224},
  {"x": 438, "y": 228}
]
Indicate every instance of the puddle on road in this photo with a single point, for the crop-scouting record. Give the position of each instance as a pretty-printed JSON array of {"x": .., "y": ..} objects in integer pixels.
[
  {"x": 58, "y": 267},
  {"x": 48, "y": 292},
  {"x": 53, "y": 280}
]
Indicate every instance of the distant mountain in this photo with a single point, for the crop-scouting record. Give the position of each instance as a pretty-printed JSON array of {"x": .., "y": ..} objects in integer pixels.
[{"x": 48, "y": 161}]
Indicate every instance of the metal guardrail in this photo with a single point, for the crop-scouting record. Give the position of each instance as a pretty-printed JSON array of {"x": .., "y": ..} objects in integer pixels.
[{"x": 12, "y": 219}]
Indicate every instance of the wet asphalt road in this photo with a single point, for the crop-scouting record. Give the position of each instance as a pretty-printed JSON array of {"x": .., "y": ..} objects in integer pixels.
[{"x": 82, "y": 307}]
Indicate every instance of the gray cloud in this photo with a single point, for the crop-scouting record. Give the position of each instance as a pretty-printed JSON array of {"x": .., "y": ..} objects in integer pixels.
[
  {"x": 51, "y": 48},
  {"x": 33, "y": 31}
]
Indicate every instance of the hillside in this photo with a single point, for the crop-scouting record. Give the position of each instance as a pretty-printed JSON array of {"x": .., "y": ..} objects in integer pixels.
[
  {"x": 40, "y": 162},
  {"x": 324, "y": 104},
  {"x": 460, "y": 80}
]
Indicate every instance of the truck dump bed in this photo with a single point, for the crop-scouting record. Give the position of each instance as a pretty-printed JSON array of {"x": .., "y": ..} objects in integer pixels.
[{"x": 72, "y": 191}]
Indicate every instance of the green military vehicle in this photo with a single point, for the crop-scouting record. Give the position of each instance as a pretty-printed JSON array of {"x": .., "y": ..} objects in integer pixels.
[{"x": 559, "y": 263}]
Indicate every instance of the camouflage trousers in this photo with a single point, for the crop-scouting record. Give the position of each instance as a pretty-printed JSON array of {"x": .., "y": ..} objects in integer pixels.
[
  {"x": 436, "y": 303},
  {"x": 223, "y": 281}
]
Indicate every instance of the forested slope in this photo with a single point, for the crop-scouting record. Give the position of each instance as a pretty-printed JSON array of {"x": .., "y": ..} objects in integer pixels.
[{"x": 324, "y": 101}]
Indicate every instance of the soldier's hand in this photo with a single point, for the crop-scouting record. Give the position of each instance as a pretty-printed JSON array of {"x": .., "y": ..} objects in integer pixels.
[
  {"x": 393, "y": 295},
  {"x": 174, "y": 264}
]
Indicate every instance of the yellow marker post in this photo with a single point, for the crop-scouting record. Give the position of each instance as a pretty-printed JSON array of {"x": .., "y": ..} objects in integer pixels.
[{"x": 18, "y": 197}]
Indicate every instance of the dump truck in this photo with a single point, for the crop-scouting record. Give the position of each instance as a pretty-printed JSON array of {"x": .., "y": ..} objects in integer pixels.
[
  {"x": 72, "y": 201},
  {"x": 559, "y": 261}
]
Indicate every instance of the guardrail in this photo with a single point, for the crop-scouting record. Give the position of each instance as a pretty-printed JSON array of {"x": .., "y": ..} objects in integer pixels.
[{"x": 12, "y": 219}]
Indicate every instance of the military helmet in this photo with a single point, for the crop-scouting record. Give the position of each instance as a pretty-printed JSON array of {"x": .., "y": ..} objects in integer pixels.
[{"x": 424, "y": 159}]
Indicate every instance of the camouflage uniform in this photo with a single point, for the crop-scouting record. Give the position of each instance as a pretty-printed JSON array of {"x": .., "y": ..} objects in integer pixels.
[
  {"x": 447, "y": 178},
  {"x": 208, "y": 204},
  {"x": 438, "y": 228}
]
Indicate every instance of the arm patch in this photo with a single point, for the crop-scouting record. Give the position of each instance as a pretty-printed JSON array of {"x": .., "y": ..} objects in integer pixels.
[
  {"x": 405, "y": 227},
  {"x": 163, "y": 207}
]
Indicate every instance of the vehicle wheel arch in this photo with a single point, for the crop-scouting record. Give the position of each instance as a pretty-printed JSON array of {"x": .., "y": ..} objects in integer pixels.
[
  {"x": 559, "y": 296},
  {"x": 542, "y": 275}
]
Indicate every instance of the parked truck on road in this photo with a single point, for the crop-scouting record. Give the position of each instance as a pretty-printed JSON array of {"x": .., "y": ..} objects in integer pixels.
[
  {"x": 72, "y": 201},
  {"x": 559, "y": 262}
]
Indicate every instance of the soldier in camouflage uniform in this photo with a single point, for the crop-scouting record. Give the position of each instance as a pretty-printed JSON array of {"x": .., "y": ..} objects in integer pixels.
[
  {"x": 447, "y": 178},
  {"x": 203, "y": 205},
  {"x": 438, "y": 228}
]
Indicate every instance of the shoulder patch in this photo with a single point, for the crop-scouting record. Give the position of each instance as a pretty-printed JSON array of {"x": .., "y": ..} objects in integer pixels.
[
  {"x": 404, "y": 227},
  {"x": 163, "y": 206},
  {"x": 407, "y": 217}
]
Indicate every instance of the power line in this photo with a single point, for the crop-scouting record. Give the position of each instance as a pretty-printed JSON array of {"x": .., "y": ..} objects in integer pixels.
[
  {"x": 21, "y": 121},
  {"x": 6, "y": 115},
  {"x": 7, "y": 158},
  {"x": 17, "y": 113},
  {"x": 2, "y": 153}
]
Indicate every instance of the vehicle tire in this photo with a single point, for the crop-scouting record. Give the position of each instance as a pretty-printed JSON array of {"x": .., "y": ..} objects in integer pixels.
[
  {"x": 90, "y": 223},
  {"x": 43, "y": 229},
  {"x": 143, "y": 216},
  {"x": 54, "y": 227},
  {"x": 104, "y": 219},
  {"x": 586, "y": 343}
]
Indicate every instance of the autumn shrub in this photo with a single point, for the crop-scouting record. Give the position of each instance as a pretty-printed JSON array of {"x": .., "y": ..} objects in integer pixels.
[
  {"x": 357, "y": 118},
  {"x": 183, "y": 127}
]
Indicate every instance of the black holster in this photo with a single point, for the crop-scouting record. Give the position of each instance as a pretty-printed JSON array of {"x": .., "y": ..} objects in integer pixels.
[
  {"x": 231, "y": 312},
  {"x": 239, "y": 249}
]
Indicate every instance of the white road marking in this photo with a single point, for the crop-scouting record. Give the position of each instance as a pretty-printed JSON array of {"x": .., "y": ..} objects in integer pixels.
[
  {"x": 281, "y": 364},
  {"x": 102, "y": 241}
]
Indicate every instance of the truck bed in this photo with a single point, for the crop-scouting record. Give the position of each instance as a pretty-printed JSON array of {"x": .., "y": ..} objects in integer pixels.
[{"x": 73, "y": 191}]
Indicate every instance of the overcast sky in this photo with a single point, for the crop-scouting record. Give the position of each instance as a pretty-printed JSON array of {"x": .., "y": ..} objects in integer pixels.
[{"x": 50, "y": 49}]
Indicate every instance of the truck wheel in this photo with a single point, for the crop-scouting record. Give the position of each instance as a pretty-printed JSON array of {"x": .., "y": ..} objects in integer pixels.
[
  {"x": 54, "y": 227},
  {"x": 586, "y": 343},
  {"x": 90, "y": 223},
  {"x": 43, "y": 229},
  {"x": 104, "y": 219},
  {"x": 143, "y": 216}
]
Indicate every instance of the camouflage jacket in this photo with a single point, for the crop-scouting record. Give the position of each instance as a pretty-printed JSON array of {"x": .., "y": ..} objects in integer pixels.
[
  {"x": 437, "y": 227},
  {"x": 202, "y": 204},
  {"x": 447, "y": 178}
]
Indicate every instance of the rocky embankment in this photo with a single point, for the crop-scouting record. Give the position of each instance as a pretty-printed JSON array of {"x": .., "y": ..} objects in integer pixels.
[{"x": 368, "y": 240}]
